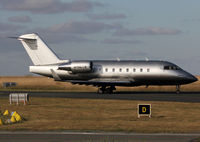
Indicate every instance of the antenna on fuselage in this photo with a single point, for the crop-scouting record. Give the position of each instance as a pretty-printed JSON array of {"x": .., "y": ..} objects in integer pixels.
[
  {"x": 118, "y": 59},
  {"x": 146, "y": 58}
]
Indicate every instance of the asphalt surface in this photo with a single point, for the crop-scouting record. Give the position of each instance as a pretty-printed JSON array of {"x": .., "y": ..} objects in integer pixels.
[
  {"x": 193, "y": 97},
  {"x": 94, "y": 137},
  {"x": 105, "y": 137}
]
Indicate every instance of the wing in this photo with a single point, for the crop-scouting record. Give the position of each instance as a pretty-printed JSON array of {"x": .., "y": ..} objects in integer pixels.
[{"x": 104, "y": 81}]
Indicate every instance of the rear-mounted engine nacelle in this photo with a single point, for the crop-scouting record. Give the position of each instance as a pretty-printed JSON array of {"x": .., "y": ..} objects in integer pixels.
[{"x": 77, "y": 67}]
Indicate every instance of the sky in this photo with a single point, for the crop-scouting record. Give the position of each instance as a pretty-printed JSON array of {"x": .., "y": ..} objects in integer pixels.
[{"x": 102, "y": 29}]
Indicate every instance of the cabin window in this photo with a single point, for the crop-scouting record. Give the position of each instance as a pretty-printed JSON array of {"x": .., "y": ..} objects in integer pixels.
[
  {"x": 127, "y": 70},
  {"x": 120, "y": 70},
  {"x": 106, "y": 69},
  {"x": 141, "y": 70},
  {"x": 113, "y": 69},
  {"x": 148, "y": 70},
  {"x": 134, "y": 70}
]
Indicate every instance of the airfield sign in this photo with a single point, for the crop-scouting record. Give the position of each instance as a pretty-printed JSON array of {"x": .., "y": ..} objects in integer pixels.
[{"x": 144, "y": 110}]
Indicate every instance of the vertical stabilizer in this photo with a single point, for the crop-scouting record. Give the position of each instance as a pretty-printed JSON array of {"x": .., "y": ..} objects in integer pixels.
[{"x": 37, "y": 50}]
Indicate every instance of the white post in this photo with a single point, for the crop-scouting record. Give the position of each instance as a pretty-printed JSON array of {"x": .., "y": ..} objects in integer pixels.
[
  {"x": 24, "y": 99},
  {"x": 10, "y": 98},
  {"x": 17, "y": 99}
]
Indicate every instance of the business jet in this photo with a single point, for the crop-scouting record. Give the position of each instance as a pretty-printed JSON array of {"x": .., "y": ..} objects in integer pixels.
[{"x": 104, "y": 74}]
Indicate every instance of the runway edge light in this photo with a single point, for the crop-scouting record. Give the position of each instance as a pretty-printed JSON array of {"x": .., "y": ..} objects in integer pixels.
[
  {"x": 13, "y": 113},
  {"x": 6, "y": 113},
  {"x": 13, "y": 120},
  {"x": 1, "y": 122},
  {"x": 17, "y": 116}
]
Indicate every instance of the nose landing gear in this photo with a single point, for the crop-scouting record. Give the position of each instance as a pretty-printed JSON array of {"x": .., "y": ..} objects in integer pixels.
[{"x": 178, "y": 89}]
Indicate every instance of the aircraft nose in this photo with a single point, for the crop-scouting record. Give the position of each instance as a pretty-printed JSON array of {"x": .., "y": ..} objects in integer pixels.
[
  {"x": 191, "y": 78},
  {"x": 188, "y": 78}
]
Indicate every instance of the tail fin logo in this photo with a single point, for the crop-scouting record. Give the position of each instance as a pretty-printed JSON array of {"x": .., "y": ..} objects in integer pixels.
[{"x": 32, "y": 43}]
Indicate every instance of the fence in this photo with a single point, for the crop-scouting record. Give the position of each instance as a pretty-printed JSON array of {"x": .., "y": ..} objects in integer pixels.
[
  {"x": 19, "y": 97},
  {"x": 9, "y": 84}
]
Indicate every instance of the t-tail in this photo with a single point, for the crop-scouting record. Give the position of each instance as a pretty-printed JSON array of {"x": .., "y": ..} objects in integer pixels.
[{"x": 38, "y": 51}]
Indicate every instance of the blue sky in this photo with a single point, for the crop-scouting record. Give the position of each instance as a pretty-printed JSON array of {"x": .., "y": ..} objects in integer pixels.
[{"x": 102, "y": 29}]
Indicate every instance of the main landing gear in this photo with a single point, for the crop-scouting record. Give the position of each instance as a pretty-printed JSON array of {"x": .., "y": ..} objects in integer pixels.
[
  {"x": 178, "y": 89},
  {"x": 106, "y": 90}
]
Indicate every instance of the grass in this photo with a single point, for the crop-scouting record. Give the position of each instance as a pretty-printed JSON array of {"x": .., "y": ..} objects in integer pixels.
[
  {"x": 50, "y": 114},
  {"x": 30, "y": 83},
  {"x": 41, "y": 83}
]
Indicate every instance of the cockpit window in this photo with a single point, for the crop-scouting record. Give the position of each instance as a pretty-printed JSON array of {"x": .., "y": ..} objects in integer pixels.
[
  {"x": 166, "y": 67},
  {"x": 171, "y": 68}
]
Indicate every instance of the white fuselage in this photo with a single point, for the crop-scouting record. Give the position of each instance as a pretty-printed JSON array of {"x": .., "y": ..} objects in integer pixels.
[{"x": 135, "y": 72}]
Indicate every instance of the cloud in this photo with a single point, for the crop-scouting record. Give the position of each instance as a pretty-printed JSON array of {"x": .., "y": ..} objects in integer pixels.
[
  {"x": 191, "y": 20},
  {"x": 20, "y": 19},
  {"x": 14, "y": 63},
  {"x": 106, "y": 16},
  {"x": 49, "y": 6},
  {"x": 6, "y": 27},
  {"x": 78, "y": 27},
  {"x": 73, "y": 31},
  {"x": 9, "y": 30},
  {"x": 120, "y": 41},
  {"x": 60, "y": 38},
  {"x": 147, "y": 31},
  {"x": 9, "y": 45}
]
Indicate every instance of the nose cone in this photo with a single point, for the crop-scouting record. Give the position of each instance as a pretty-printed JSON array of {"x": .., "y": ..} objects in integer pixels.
[
  {"x": 193, "y": 78},
  {"x": 190, "y": 78},
  {"x": 186, "y": 77}
]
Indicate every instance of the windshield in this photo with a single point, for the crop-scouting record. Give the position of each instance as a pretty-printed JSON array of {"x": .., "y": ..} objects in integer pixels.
[{"x": 171, "y": 68}]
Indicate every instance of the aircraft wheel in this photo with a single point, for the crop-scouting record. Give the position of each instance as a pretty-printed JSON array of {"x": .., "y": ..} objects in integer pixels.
[
  {"x": 101, "y": 90},
  {"x": 109, "y": 90}
]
